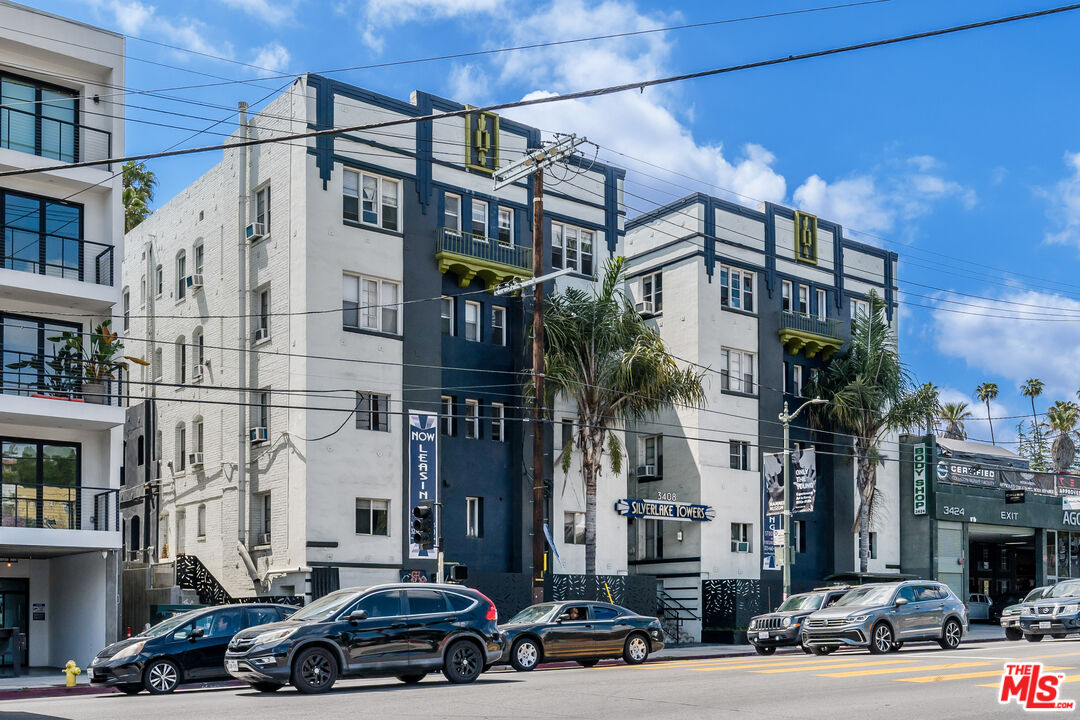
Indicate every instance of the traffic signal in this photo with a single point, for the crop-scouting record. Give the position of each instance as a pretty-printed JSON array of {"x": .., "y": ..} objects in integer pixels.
[{"x": 423, "y": 533}]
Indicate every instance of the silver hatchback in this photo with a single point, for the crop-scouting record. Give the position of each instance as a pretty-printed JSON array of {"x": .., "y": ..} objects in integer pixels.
[{"x": 883, "y": 616}]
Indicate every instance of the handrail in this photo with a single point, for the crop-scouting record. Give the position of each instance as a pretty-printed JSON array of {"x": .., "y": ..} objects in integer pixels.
[
  {"x": 56, "y": 256},
  {"x": 60, "y": 507},
  {"x": 52, "y": 376},
  {"x": 484, "y": 248},
  {"x": 51, "y": 137},
  {"x": 804, "y": 322}
]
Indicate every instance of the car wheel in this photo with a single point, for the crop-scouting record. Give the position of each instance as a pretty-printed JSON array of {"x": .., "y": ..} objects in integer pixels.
[
  {"x": 950, "y": 635},
  {"x": 463, "y": 663},
  {"x": 314, "y": 671},
  {"x": 412, "y": 679},
  {"x": 881, "y": 639},
  {"x": 266, "y": 687},
  {"x": 896, "y": 646},
  {"x": 636, "y": 650},
  {"x": 525, "y": 655},
  {"x": 130, "y": 689},
  {"x": 1059, "y": 636},
  {"x": 765, "y": 650},
  {"x": 591, "y": 662},
  {"x": 1033, "y": 638},
  {"x": 1012, "y": 633},
  {"x": 161, "y": 677}
]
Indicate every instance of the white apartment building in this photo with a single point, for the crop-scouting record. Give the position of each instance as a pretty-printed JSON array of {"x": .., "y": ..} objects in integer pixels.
[
  {"x": 299, "y": 301},
  {"x": 60, "y": 251}
]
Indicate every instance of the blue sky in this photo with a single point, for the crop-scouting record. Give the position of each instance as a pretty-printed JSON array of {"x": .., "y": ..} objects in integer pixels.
[{"x": 960, "y": 146}]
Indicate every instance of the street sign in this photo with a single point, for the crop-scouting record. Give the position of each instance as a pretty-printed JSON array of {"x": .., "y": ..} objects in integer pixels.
[{"x": 919, "y": 494}]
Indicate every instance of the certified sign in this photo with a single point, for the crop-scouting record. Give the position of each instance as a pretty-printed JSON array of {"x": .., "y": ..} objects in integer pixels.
[
  {"x": 664, "y": 510},
  {"x": 919, "y": 494}
]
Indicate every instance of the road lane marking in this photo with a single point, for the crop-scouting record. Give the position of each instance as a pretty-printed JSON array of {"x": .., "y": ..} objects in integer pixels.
[
  {"x": 800, "y": 665},
  {"x": 913, "y": 668},
  {"x": 826, "y": 667},
  {"x": 961, "y": 676}
]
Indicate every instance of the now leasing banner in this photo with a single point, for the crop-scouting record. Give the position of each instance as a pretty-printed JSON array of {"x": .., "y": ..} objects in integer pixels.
[{"x": 423, "y": 471}]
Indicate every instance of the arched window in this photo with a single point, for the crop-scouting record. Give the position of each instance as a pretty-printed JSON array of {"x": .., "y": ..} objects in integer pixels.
[
  {"x": 197, "y": 355},
  {"x": 181, "y": 360},
  {"x": 180, "y": 459},
  {"x": 197, "y": 257},
  {"x": 181, "y": 275}
]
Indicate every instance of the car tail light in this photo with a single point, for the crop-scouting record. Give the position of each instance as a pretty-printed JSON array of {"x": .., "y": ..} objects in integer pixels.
[{"x": 492, "y": 611}]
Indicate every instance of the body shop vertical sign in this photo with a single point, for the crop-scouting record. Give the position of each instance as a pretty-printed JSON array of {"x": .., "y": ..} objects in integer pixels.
[
  {"x": 919, "y": 490},
  {"x": 423, "y": 470}
]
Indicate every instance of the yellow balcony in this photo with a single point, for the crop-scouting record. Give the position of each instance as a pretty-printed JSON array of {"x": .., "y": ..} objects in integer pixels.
[
  {"x": 810, "y": 334},
  {"x": 472, "y": 256}
]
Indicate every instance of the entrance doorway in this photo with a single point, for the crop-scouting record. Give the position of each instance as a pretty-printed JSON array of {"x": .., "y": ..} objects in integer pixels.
[
  {"x": 14, "y": 613},
  {"x": 1001, "y": 563}
]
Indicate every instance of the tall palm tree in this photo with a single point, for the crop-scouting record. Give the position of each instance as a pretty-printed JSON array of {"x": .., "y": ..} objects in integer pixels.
[
  {"x": 1032, "y": 389},
  {"x": 1062, "y": 418},
  {"x": 987, "y": 392},
  {"x": 954, "y": 415},
  {"x": 615, "y": 367},
  {"x": 138, "y": 193},
  {"x": 871, "y": 394}
]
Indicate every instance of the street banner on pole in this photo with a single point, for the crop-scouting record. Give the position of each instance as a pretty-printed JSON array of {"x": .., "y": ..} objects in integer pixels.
[
  {"x": 804, "y": 479},
  {"x": 423, "y": 472},
  {"x": 772, "y": 469}
]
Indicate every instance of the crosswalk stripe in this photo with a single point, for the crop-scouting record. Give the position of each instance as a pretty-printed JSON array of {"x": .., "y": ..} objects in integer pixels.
[
  {"x": 959, "y": 676},
  {"x": 832, "y": 665},
  {"x": 913, "y": 668}
]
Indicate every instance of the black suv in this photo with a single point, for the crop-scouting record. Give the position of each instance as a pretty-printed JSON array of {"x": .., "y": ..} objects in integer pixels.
[
  {"x": 189, "y": 647},
  {"x": 783, "y": 628},
  {"x": 402, "y": 630}
]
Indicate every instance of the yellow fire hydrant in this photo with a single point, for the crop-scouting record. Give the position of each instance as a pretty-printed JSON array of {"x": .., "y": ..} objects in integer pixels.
[{"x": 71, "y": 670}]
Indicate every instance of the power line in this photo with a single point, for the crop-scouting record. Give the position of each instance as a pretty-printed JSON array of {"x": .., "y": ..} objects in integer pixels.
[{"x": 639, "y": 85}]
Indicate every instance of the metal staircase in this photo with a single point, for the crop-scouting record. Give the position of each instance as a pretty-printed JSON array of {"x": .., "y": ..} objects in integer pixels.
[{"x": 673, "y": 614}]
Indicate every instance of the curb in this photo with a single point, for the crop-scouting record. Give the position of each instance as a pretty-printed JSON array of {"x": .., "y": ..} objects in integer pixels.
[{"x": 51, "y": 691}]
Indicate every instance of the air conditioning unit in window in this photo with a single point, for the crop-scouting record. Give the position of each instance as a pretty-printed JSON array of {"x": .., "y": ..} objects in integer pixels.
[
  {"x": 196, "y": 372},
  {"x": 259, "y": 435},
  {"x": 194, "y": 459},
  {"x": 256, "y": 231},
  {"x": 646, "y": 471},
  {"x": 261, "y": 334},
  {"x": 644, "y": 308},
  {"x": 742, "y": 547},
  {"x": 194, "y": 282},
  {"x": 262, "y": 539}
]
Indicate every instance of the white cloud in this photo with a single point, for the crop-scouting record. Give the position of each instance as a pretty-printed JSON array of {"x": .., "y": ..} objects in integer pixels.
[
  {"x": 977, "y": 427},
  {"x": 470, "y": 84},
  {"x": 131, "y": 16},
  {"x": 273, "y": 57},
  {"x": 1064, "y": 201},
  {"x": 272, "y": 12},
  {"x": 854, "y": 202},
  {"x": 379, "y": 15}
]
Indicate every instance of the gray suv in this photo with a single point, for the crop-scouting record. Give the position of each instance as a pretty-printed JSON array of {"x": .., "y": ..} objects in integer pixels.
[{"x": 882, "y": 616}]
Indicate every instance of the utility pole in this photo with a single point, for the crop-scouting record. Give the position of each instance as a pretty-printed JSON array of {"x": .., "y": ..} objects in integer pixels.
[
  {"x": 534, "y": 164},
  {"x": 789, "y": 556}
]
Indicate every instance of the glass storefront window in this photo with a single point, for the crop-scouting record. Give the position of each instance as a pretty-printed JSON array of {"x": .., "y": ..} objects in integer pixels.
[
  {"x": 1074, "y": 554},
  {"x": 1063, "y": 554},
  {"x": 1050, "y": 555}
]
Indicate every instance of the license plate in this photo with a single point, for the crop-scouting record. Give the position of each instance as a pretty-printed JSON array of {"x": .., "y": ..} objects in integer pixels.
[
  {"x": 1044, "y": 625},
  {"x": 763, "y": 636},
  {"x": 231, "y": 665},
  {"x": 90, "y": 673}
]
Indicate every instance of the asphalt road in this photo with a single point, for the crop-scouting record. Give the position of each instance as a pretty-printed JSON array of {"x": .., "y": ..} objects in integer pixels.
[{"x": 920, "y": 681}]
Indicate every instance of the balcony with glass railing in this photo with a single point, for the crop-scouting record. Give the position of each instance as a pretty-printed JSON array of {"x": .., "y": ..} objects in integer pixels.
[
  {"x": 810, "y": 334},
  {"x": 471, "y": 256}
]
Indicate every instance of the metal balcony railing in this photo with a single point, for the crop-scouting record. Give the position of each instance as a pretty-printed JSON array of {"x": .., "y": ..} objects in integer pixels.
[
  {"x": 802, "y": 322},
  {"x": 52, "y": 376},
  {"x": 59, "y": 507},
  {"x": 56, "y": 256},
  {"x": 52, "y": 137},
  {"x": 484, "y": 248}
]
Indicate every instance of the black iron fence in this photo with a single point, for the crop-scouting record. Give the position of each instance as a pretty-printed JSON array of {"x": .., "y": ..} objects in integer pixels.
[
  {"x": 53, "y": 137},
  {"x": 56, "y": 256},
  {"x": 59, "y": 507}
]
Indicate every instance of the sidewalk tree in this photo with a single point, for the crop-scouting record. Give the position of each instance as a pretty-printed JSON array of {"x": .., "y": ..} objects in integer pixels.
[
  {"x": 986, "y": 392},
  {"x": 954, "y": 415},
  {"x": 138, "y": 193},
  {"x": 604, "y": 356},
  {"x": 871, "y": 394},
  {"x": 1062, "y": 418}
]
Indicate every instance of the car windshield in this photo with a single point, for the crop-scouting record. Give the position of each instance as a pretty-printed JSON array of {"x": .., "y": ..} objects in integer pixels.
[
  {"x": 801, "y": 602},
  {"x": 325, "y": 607},
  {"x": 1035, "y": 594},
  {"x": 1065, "y": 589},
  {"x": 167, "y": 626},
  {"x": 533, "y": 613},
  {"x": 866, "y": 595}
]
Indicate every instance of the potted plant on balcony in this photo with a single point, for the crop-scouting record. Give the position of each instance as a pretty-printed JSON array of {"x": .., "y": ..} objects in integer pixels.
[
  {"x": 55, "y": 378},
  {"x": 100, "y": 358}
]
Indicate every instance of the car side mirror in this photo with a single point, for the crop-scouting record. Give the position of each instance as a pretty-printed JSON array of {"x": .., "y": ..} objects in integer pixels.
[
  {"x": 196, "y": 633},
  {"x": 562, "y": 618},
  {"x": 901, "y": 601},
  {"x": 357, "y": 616}
]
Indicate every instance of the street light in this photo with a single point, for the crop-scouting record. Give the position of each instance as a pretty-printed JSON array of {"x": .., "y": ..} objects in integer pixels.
[{"x": 786, "y": 418}]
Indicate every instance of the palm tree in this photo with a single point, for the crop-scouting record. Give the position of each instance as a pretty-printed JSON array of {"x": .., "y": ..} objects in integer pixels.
[
  {"x": 954, "y": 415},
  {"x": 1062, "y": 418},
  {"x": 138, "y": 193},
  {"x": 1032, "y": 389},
  {"x": 601, "y": 354},
  {"x": 987, "y": 392},
  {"x": 871, "y": 394}
]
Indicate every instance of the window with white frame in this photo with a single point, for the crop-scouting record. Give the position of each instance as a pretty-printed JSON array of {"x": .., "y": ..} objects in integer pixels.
[
  {"x": 201, "y": 522},
  {"x": 159, "y": 281},
  {"x": 180, "y": 442},
  {"x": 572, "y": 247},
  {"x": 785, "y": 294},
  {"x": 181, "y": 360},
  {"x": 198, "y": 255},
  {"x": 498, "y": 422},
  {"x": 262, "y": 208},
  {"x": 739, "y": 454},
  {"x": 822, "y": 304},
  {"x": 573, "y": 528},
  {"x": 737, "y": 288},
  {"x": 797, "y": 380},
  {"x": 370, "y": 303},
  {"x": 652, "y": 452},
  {"x": 736, "y": 370},
  {"x": 652, "y": 290},
  {"x": 480, "y": 218},
  {"x": 567, "y": 436},
  {"x": 452, "y": 211},
  {"x": 474, "y": 517},
  {"x": 873, "y": 546},
  {"x": 859, "y": 307},
  {"x": 447, "y": 419},
  {"x": 197, "y": 434},
  {"x": 372, "y": 516},
  {"x": 804, "y": 300},
  {"x": 498, "y": 325},
  {"x": 742, "y": 537},
  {"x": 127, "y": 309},
  {"x": 263, "y": 506},
  {"x": 197, "y": 354},
  {"x": 472, "y": 321},
  {"x": 371, "y": 200},
  {"x": 155, "y": 365},
  {"x": 446, "y": 311},
  {"x": 506, "y": 226},
  {"x": 472, "y": 418},
  {"x": 261, "y": 331},
  {"x": 181, "y": 275},
  {"x": 372, "y": 411},
  {"x": 260, "y": 413}
]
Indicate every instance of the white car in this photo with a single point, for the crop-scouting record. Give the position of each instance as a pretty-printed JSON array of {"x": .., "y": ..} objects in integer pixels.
[{"x": 978, "y": 606}]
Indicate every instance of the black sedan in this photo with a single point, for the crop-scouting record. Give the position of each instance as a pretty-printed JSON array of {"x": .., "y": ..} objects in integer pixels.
[
  {"x": 579, "y": 630},
  {"x": 186, "y": 648}
]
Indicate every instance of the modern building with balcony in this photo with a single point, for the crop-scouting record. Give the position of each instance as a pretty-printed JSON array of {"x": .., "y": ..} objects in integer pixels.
[
  {"x": 61, "y": 241},
  {"x": 761, "y": 299},
  {"x": 349, "y": 289}
]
